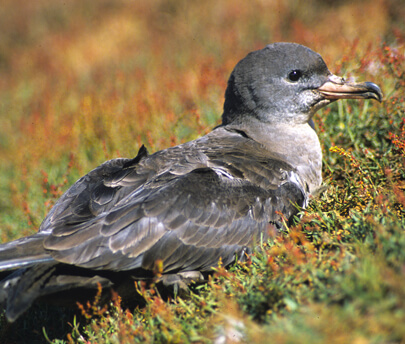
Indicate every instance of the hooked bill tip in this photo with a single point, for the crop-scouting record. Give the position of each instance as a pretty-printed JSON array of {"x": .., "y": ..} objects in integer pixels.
[{"x": 375, "y": 90}]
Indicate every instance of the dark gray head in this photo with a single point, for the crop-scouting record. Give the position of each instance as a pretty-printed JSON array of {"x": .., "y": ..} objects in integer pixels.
[{"x": 285, "y": 82}]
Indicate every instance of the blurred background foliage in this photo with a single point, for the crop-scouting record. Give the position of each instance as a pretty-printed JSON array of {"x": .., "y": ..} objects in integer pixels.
[{"x": 84, "y": 81}]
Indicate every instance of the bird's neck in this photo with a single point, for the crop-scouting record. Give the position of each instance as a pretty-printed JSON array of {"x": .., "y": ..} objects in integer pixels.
[{"x": 296, "y": 144}]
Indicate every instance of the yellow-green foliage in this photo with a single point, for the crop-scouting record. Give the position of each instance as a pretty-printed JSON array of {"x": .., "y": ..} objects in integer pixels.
[{"x": 85, "y": 81}]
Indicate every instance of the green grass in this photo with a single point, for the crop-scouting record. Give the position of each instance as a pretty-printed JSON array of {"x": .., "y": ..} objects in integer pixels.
[{"x": 336, "y": 276}]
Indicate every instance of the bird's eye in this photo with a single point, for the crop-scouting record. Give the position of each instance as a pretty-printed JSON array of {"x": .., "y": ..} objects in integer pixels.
[{"x": 294, "y": 75}]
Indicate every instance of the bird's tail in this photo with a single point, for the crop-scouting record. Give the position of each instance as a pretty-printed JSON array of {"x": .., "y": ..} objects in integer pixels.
[
  {"x": 28, "y": 273},
  {"x": 18, "y": 255},
  {"x": 23, "y": 252}
]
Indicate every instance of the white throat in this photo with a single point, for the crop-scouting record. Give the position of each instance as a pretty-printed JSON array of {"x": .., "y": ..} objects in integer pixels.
[{"x": 297, "y": 144}]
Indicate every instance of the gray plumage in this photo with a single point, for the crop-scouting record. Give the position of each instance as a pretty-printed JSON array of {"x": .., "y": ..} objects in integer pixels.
[{"x": 192, "y": 204}]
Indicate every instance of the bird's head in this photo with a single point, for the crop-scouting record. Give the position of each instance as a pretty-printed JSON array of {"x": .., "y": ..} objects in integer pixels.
[{"x": 286, "y": 82}]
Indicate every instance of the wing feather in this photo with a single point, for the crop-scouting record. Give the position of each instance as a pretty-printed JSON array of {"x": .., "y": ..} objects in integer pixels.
[{"x": 184, "y": 206}]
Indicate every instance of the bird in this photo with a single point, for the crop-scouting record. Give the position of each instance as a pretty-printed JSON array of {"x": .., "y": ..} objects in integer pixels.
[{"x": 188, "y": 207}]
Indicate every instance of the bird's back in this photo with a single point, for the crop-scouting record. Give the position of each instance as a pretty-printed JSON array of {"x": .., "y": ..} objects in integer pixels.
[{"x": 220, "y": 190}]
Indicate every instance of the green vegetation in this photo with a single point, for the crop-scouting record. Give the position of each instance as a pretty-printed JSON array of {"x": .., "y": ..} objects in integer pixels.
[{"x": 86, "y": 81}]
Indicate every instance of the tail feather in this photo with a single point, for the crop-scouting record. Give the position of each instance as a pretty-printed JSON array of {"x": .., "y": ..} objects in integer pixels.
[
  {"x": 24, "y": 286},
  {"x": 23, "y": 252},
  {"x": 28, "y": 272}
]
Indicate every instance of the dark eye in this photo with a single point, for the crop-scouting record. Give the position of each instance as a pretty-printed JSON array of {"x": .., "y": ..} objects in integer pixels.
[{"x": 294, "y": 75}]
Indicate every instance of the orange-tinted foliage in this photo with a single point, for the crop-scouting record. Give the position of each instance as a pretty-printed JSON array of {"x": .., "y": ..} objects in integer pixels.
[{"x": 83, "y": 81}]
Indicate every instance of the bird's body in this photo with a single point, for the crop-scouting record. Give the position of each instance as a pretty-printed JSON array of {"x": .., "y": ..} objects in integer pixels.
[{"x": 191, "y": 205}]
